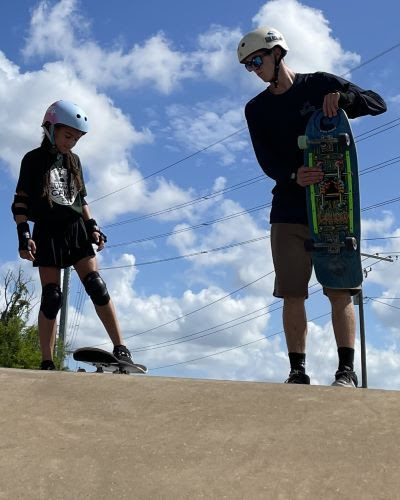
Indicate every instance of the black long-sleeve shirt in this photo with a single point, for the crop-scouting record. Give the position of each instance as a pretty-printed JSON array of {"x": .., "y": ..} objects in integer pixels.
[{"x": 276, "y": 120}]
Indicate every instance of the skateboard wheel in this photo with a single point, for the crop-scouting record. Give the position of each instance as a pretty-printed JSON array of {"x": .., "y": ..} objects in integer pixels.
[
  {"x": 344, "y": 141},
  {"x": 309, "y": 245},
  {"x": 81, "y": 370},
  {"x": 350, "y": 243},
  {"x": 302, "y": 141}
]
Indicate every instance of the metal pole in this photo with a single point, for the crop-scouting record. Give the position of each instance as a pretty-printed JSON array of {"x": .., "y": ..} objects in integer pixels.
[
  {"x": 359, "y": 299},
  {"x": 64, "y": 313}
]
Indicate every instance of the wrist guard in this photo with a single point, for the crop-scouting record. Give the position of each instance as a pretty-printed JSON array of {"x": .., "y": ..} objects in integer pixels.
[
  {"x": 20, "y": 210},
  {"x": 91, "y": 227},
  {"x": 24, "y": 235}
]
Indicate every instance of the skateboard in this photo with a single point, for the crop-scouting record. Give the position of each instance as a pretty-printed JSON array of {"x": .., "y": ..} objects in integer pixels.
[
  {"x": 105, "y": 361},
  {"x": 333, "y": 205}
]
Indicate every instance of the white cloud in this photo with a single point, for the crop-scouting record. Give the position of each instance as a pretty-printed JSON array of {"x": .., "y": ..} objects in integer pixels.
[
  {"x": 199, "y": 126},
  {"x": 105, "y": 151},
  {"x": 61, "y": 31},
  {"x": 378, "y": 227},
  {"x": 307, "y": 32}
]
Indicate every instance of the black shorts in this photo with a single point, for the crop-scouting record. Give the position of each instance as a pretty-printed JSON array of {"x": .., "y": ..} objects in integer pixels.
[{"x": 62, "y": 245}]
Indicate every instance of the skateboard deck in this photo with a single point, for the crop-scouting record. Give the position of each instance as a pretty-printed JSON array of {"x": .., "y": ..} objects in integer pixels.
[
  {"x": 105, "y": 361},
  {"x": 333, "y": 205}
]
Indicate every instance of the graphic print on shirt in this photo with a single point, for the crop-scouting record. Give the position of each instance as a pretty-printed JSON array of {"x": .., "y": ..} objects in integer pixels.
[{"x": 59, "y": 192}]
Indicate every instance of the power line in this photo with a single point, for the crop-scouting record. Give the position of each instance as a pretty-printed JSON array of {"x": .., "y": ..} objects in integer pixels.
[
  {"x": 384, "y": 303},
  {"x": 376, "y": 133},
  {"x": 235, "y": 187},
  {"x": 377, "y": 128},
  {"x": 224, "y": 219},
  {"x": 238, "y": 346},
  {"x": 171, "y": 165},
  {"x": 151, "y": 330},
  {"x": 382, "y": 238},
  {"x": 231, "y": 348},
  {"x": 195, "y": 336},
  {"x": 228, "y": 136},
  {"x": 154, "y": 346},
  {"x": 194, "y": 310},
  {"x": 381, "y": 204},
  {"x": 240, "y": 185},
  {"x": 151, "y": 346},
  {"x": 379, "y": 166},
  {"x": 254, "y": 240},
  {"x": 372, "y": 58},
  {"x": 193, "y": 254},
  {"x": 196, "y": 226}
]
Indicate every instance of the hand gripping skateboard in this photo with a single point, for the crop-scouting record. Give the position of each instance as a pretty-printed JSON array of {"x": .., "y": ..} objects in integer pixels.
[
  {"x": 333, "y": 205},
  {"x": 105, "y": 361}
]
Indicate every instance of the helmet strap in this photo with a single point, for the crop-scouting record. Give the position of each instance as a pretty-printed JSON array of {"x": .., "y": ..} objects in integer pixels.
[
  {"x": 49, "y": 134},
  {"x": 276, "y": 70}
]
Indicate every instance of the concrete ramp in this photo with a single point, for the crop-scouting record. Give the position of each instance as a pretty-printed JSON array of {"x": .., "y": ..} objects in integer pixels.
[{"x": 92, "y": 436}]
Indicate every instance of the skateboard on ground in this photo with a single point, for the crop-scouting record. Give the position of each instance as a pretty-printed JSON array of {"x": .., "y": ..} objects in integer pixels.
[
  {"x": 333, "y": 205},
  {"x": 105, "y": 361}
]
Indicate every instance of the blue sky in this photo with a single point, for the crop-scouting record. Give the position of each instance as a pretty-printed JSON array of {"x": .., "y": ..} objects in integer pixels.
[{"x": 159, "y": 82}]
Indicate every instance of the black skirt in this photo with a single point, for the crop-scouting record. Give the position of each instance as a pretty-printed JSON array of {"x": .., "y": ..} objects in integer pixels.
[{"x": 62, "y": 245}]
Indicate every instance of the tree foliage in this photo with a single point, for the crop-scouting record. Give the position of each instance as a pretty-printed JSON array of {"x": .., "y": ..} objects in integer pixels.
[{"x": 19, "y": 342}]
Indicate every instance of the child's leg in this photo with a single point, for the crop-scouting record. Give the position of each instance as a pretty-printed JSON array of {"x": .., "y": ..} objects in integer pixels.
[
  {"x": 50, "y": 305},
  {"x": 96, "y": 288}
]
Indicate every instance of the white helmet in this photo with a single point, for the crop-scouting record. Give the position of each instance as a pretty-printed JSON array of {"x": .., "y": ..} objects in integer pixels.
[{"x": 261, "y": 38}]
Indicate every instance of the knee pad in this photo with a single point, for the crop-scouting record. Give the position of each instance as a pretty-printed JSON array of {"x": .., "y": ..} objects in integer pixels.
[
  {"x": 96, "y": 289},
  {"x": 51, "y": 302}
]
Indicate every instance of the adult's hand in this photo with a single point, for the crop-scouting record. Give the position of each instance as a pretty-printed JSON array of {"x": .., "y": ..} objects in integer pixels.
[
  {"x": 307, "y": 176},
  {"x": 330, "y": 105}
]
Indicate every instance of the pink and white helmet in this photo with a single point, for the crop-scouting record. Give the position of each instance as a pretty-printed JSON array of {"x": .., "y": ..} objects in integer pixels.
[{"x": 66, "y": 113}]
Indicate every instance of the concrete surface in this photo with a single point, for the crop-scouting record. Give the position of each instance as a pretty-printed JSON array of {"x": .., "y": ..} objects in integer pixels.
[{"x": 92, "y": 436}]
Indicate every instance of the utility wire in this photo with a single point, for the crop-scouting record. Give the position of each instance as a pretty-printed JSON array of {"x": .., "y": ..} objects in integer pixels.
[
  {"x": 223, "y": 219},
  {"x": 372, "y": 59},
  {"x": 384, "y": 303},
  {"x": 386, "y": 51},
  {"x": 231, "y": 348},
  {"x": 163, "y": 344},
  {"x": 193, "y": 254},
  {"x": 239, "y": 346},
  {"x": 212, "y": 303},
  {"x": 206, "y": 197},
  {"x": 240, "y": 185},
  {"x": 171, "y": 165},
  {"x": 212, "y": 330},
  {"x": 196, "y": 226},
  {"x": 232, "y": 245},
  {"x": 230, "y": 294}
]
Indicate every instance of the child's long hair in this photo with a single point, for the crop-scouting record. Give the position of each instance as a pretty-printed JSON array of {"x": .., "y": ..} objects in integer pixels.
[{"x": 71, "y": 166}]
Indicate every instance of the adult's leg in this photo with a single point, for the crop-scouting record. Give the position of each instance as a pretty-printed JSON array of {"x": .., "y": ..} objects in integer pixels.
[
  {"x": 343, "y": 317},
  {"x": 344, "y": 326},
  {"x": 292, "y": 273},
  {"x": 50, "y": 305},
  {"x": 87, "y": 270},
  {"x": 295, "y": 324}
]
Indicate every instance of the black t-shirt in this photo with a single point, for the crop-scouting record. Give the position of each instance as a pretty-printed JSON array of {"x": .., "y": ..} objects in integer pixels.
[
  {"x": 276, "y": 120},
  {"x": 66, "y": 201}
]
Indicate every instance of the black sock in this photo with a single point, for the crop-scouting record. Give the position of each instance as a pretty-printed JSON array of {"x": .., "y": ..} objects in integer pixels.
[
  {"x": 297, "y": 361},
  {"x": 346, "y": 358}
]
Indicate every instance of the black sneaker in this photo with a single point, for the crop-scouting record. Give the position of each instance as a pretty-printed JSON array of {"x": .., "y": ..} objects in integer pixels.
[
  {"x": 47, "y": 364},
  {"x": 122, "y": 353},
  {"x": 345, "y": 378},
  {"x": 298, "y": 377}
]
